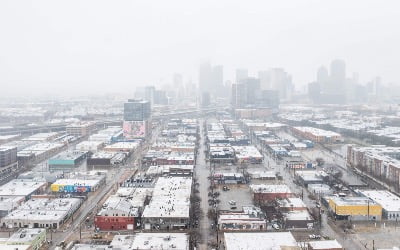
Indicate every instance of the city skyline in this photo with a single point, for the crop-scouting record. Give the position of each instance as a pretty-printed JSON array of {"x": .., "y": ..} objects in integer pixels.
[{"x": 119, "y": 46}]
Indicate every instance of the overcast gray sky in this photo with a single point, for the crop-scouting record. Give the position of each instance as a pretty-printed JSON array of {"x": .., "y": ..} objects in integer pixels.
[{"x": 100, "y": 46}]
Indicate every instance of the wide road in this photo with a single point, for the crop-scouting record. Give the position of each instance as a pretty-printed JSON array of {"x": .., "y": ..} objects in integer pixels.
[{"x": 202, "y": 173}]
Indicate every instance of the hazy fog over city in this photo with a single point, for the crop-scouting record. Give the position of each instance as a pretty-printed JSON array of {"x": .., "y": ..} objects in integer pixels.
[
  {"x": 102, "y": 46},
  {"x": 199, "y": 125}
]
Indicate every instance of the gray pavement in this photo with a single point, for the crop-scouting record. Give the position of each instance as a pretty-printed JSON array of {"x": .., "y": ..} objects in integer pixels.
[{"x": 202, "y": 173}]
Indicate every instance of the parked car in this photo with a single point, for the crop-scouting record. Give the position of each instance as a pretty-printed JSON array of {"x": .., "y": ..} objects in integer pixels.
[
  {"x": 275, "y": 226},
  {"x": 314, "y": 236}
]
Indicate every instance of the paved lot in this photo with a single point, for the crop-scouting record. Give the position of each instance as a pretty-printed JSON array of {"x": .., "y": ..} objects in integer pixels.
[{"x": 238, "y": 193}]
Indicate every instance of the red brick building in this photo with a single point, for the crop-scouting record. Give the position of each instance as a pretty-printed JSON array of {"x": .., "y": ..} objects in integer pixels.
[
  {"x": 117, "y": 214},
  {"x": 265, "y": 193}
]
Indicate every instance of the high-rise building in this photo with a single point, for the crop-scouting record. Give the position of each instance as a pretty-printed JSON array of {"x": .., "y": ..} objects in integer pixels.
[
  {"x": 137, "y": 110},
  {"x": 205, "y": 99},
  {"x": 137, "y": 115},
  {"x": 217, "y": 80},
  {"x": 239, "y": 95},
  {"x": 248, "y": 93},
  {"x": 177, "y": 82},
  {"x": 211, "y": 79},
  {"x": 276, "y": 79},
  {"x": 160, "y": 97},
  {"x": 332, "y": 85},
  {"x": 205, "y": 76},
  {"x": 265, "y": 79},
  {"x": 338, "y": 77},
  {"x": 241, "y": 74},
  {"x": 149, "y": 94}
]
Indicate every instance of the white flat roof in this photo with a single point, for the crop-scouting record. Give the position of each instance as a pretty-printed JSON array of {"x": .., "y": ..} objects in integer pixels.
[
  {"x": 263, "y": 188},
  {"x": 44, "y": 210},
  {"x": 20, "y": 187},
  {"x": 251, "y": 241},
  {"x": 386, "y": 199},
  {"x": 325, "y": 244},
  {"x": 177, "y": 241},
  {"x": 171, "y": 198}
]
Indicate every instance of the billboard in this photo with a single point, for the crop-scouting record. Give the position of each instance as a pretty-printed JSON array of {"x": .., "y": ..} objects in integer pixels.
[{"x": 135, "y": 129}]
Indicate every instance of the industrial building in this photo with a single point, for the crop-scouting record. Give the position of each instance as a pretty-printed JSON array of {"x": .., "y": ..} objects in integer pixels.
[
  {"x": 253, "y": 240},
  {"x": 42, "y": 213},
  {"x": 8, "y": 159},
  {"x": 40, "y": 151},
  {"x": 66, "y": 161},
  {"x": 291, "y": 204},
  {"x": 89, "y": 146},
  {"x": 117, "y": 213},
  {"x": 81, "y": 129},
  {"x": 81, "y": 183},
  {"x": 299, "y": 219},
  {"x": 317, "y": 135},
  {"x": 247, "y": 154},
  {"x": 22, "y": 187},
  {"x": 263, "y": 193},
  {"x": 126, "y": 147},
  {"x": 390, "y": 203},
  {"x": 324, "y": 245},
  {"x": 143, "y": 241},
  {"x": 8, "y": 204},
  {"x": 106, "y": 159},
  {"x": 169, "y": 206},
  {"x": 25, "y": 238},
  {"x": 355, "y": 208},
  {"x": 250, "y": 219},
  {"x": 307, "y": 177}
]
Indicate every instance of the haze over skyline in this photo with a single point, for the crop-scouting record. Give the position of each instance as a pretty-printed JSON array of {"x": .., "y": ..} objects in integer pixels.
[{"x": 102, "y": 46}]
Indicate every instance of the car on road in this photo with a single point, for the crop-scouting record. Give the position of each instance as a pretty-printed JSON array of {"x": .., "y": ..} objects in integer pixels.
[
  {"x": 314, "y": 236},
  {"x": 225, "y": 188},
  {"x": 232, "y": 202}
]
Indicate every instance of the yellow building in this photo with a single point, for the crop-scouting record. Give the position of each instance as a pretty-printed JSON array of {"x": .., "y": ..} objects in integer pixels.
[{"x": 355, "y": 208}]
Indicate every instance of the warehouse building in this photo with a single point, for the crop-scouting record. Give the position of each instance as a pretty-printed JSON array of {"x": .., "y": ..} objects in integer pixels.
[
  {"x": 355, "y": 208},
  {"x": 299, "y": 219},
  {"x": 291, "y": 204},
  {"x": 253, "y": 240},
  {"x": 106, "y": 159},
  {"x": 8, "y": 159},
  {"x": 124, "y": 147},
  {"x": 317, "y": 135},
  {"x": 324, "y": 245},
  {"x": 66, "y": 161},
  {"x": 89, "y": 146},
  {"x": 81, "y": 129},
  {"x": 25, "y": 238},
  {"x": 80, "y": 183},
  {"x": 22, "y": 187},
  {"x": 8, "y": 204},
  {"x": 247, "y": 154},
  {"x": 143, "y": 241},
  {"x": 390, "y": 203},
  {"x": 117, "y": 213},
  {"x": 42, "y": 213},
  {"x": 40, "y": 151},
  {"x": 263, "y": 193},
  {"x": 250, "y": 219},
  {"x": 170, "y": 205}
]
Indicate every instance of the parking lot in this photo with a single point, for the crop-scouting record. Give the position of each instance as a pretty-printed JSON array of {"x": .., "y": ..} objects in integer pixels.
[{"x": 238, "y": 193}]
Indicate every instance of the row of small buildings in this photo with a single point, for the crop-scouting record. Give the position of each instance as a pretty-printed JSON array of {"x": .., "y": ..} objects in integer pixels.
[{"x": 231, "y": 241}]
